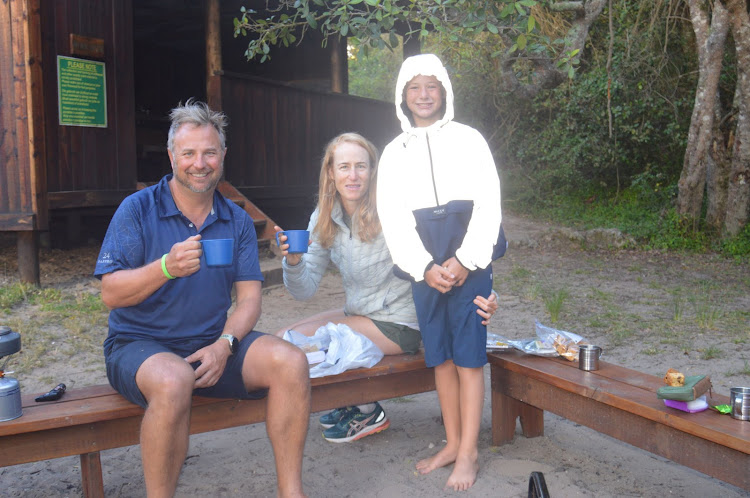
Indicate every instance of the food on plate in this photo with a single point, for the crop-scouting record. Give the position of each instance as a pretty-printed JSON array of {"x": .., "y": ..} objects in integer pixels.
[{"x": 674, "y": 378}]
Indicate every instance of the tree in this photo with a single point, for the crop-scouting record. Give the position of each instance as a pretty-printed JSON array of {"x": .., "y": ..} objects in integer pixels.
[
  {"x": 738, "y": 189},
  {"x": 715, "y": 173},
  {"x": 529, "y": 62},
  {"x": 716, "y": 168}
]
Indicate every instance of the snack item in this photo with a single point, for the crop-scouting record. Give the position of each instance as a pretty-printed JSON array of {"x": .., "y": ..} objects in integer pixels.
[
  {"x": 566, "y": 348},
  {"x": 674, "y": 378}
]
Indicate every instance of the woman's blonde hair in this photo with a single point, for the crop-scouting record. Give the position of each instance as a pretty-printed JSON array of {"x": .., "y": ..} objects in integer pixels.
[{"x": 365, "y": 221}]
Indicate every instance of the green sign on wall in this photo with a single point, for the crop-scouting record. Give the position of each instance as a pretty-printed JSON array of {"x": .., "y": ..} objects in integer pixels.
[{"x": 81, "y": 92}]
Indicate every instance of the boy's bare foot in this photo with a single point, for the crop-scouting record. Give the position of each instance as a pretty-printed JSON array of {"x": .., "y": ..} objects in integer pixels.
[
  {"x": 464, "y": 474},
  {"x": 444, "y": 457}
]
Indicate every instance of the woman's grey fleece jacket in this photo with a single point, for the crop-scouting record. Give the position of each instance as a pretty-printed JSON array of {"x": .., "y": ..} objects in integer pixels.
[{"x": 371, "y": 288}]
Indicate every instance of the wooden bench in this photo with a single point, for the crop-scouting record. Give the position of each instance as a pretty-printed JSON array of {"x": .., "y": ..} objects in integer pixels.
[
  {"x": 621, "y": 403},
  {"x": 91, "y": 419}
]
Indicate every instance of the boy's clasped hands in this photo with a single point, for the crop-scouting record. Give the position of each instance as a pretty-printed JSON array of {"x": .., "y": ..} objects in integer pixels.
[{"x": 446, "y": 276}]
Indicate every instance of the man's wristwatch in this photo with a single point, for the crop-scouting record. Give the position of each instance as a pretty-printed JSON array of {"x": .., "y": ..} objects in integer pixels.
[{"x": 233, "y": 342}]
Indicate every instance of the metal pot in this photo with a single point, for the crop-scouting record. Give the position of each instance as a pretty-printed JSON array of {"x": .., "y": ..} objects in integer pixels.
[{"x": 10, "y": 391}]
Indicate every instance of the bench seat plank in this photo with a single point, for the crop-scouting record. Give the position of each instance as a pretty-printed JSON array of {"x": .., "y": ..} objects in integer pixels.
[
  {"x": 620, "y": 403},
  {"x": 96, "y": 418},
  {"x": 640, "y": 399}
]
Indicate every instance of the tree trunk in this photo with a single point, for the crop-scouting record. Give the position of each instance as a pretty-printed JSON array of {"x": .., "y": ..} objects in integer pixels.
[
  {"x": 710, "y": 39},
  {"x": 717, "y": 174},
  {"x": 738, "y": 193}
]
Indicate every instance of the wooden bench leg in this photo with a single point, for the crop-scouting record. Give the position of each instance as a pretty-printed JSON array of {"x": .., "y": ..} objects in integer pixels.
[
  {"x": 505, "y": 411},
  {"x": 91, "y": 475}
]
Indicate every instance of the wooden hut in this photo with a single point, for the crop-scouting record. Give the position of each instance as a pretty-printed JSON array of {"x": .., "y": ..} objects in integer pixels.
[{"x": 85, "y": 87}]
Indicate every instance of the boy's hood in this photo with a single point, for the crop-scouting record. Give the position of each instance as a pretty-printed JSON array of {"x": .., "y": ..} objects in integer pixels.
[{"x": 426, "y": 65}]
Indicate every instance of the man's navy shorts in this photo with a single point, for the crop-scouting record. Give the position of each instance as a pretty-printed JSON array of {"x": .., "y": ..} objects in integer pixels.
[{"x": 125, "y": 358}]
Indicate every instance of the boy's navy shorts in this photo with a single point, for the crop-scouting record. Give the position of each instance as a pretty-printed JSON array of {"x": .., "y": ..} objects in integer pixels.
[
  {"x": 125, "y": 358},
  {"x": 450, "y": 326}
]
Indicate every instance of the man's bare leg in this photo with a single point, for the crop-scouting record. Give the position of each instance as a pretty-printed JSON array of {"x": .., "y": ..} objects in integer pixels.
[
  {"x": 283, "y": 369},
  {"x": 166, "y": 381},
  {"x": 471, "y": 396},
  {"x": 447, "y": 385}
]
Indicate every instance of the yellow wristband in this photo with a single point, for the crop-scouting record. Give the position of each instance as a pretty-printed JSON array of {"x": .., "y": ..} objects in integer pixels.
[{"x": 164, "y": 268}]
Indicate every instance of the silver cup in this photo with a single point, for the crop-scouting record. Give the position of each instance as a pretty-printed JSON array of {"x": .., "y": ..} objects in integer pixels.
[
  {"x": 739, "y": 400},
  {"x": 588, "y": 357}
]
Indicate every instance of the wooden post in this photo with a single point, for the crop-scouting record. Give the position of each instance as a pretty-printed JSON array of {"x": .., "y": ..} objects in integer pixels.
[
  {"x": 27, "y": 244},
  {"x": 213, "y": 55},
  {"x": 412, "y": 46},
  {"x": 339, "y": 65},
  {"x": 91, "y": 475}
]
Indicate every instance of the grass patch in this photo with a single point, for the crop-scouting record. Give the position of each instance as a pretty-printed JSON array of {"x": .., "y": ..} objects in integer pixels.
[
  {"x": 643, "y": 210},
  {"x": 14, "y": 294},
  {"x": 678, "y": 308},
  {"x": 54, "y": 325},
  {"x": 620, "y": 335},
  {"x": 706, "y": 312},
  {"x": 711, "y": 352},
  {"x": 532, "y": 291},
  {"x": 520, "y": 273},
  {"x": 554, "y": 302},
  {"x": 652, "y": 351},
  {"x": 744, "y": 371}
]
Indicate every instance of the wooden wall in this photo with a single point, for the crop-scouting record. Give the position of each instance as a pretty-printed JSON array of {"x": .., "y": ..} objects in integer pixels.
[
  {"x": 276, "y": 137},
  {"x": 21, "y": 122},
  {"x": 91, "y": 167}
]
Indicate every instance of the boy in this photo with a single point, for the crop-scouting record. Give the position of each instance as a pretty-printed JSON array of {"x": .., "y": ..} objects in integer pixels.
[{"x": 439, "y": 206}]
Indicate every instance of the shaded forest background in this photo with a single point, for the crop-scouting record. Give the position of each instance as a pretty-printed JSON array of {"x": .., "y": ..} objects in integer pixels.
[{"x": 607, "y": 146}]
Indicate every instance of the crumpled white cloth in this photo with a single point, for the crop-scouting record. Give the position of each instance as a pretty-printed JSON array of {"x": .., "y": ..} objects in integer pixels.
[{"x": 345, "y": 349}]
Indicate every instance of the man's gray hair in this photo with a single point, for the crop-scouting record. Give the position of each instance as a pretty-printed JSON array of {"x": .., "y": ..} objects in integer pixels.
[{"x": 198, "y": 114}]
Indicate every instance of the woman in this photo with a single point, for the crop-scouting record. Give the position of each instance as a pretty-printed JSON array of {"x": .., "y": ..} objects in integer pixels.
[{"x": 345, "y": 230}]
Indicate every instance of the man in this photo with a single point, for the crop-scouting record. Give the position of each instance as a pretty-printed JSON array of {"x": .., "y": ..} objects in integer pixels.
[{"x": 169, "y": 334}]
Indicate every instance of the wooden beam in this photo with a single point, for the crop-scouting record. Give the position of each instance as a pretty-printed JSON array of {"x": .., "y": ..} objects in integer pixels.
[
  {"x": 213, "y": 55},
  {"x": 35, "y": 114},
  {"x": 16, "y": 222},
  {"x": 28, "y": 256},
  {"x": 87, "y": 198},
  {"x": 339, "y": 71}
]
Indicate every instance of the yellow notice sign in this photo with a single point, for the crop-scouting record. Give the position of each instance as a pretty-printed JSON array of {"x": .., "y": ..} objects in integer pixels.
[{"x": 81, "y": 92}]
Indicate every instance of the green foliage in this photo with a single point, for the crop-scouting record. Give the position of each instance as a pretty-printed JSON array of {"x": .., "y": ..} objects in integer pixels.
[
  {"x": 739, "y": 245},
  {"x": 371, "y": 71},
  {"x": 375, "y": 23},
  {"x": 14, "y": 294}
]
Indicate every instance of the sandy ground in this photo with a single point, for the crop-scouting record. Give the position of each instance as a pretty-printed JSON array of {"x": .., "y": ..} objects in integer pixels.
[{"x": 648, "y": 310}]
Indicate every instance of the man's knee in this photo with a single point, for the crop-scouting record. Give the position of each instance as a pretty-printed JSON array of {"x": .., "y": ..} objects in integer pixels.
[
  {"x": 278, "y": 360},
  {"x": 166, "y": 380}
]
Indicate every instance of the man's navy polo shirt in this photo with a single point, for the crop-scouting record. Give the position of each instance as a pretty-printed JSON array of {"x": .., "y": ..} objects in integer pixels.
[{"x": 146, "y": 226}]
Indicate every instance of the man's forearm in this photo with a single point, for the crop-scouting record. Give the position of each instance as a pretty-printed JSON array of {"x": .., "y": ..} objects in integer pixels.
[
  {"x": 246, "y": 311},
  {"x": 130, "y": 287}
]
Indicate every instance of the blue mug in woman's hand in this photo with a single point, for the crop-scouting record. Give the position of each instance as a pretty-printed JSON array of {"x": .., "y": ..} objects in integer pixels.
[{"x": 298, "y": 240}]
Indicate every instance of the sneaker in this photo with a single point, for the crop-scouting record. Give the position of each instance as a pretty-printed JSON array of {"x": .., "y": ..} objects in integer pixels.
[
  {"x": 357, "y": 425},
  {"x": 333, "y": 417}
]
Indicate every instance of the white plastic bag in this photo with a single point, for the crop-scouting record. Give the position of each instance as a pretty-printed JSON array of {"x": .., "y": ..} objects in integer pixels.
[{"x": 346, "y": 349}]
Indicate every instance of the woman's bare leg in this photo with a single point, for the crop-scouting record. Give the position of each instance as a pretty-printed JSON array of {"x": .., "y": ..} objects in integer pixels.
[{"x": 360, "y": 324}]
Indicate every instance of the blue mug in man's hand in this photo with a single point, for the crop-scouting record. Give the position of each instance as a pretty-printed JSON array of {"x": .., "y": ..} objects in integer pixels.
[{"x": 218, "y": 252}]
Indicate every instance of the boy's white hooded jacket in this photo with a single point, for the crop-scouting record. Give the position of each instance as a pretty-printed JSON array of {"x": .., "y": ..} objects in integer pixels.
[{"x": 463, "y": 169}]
